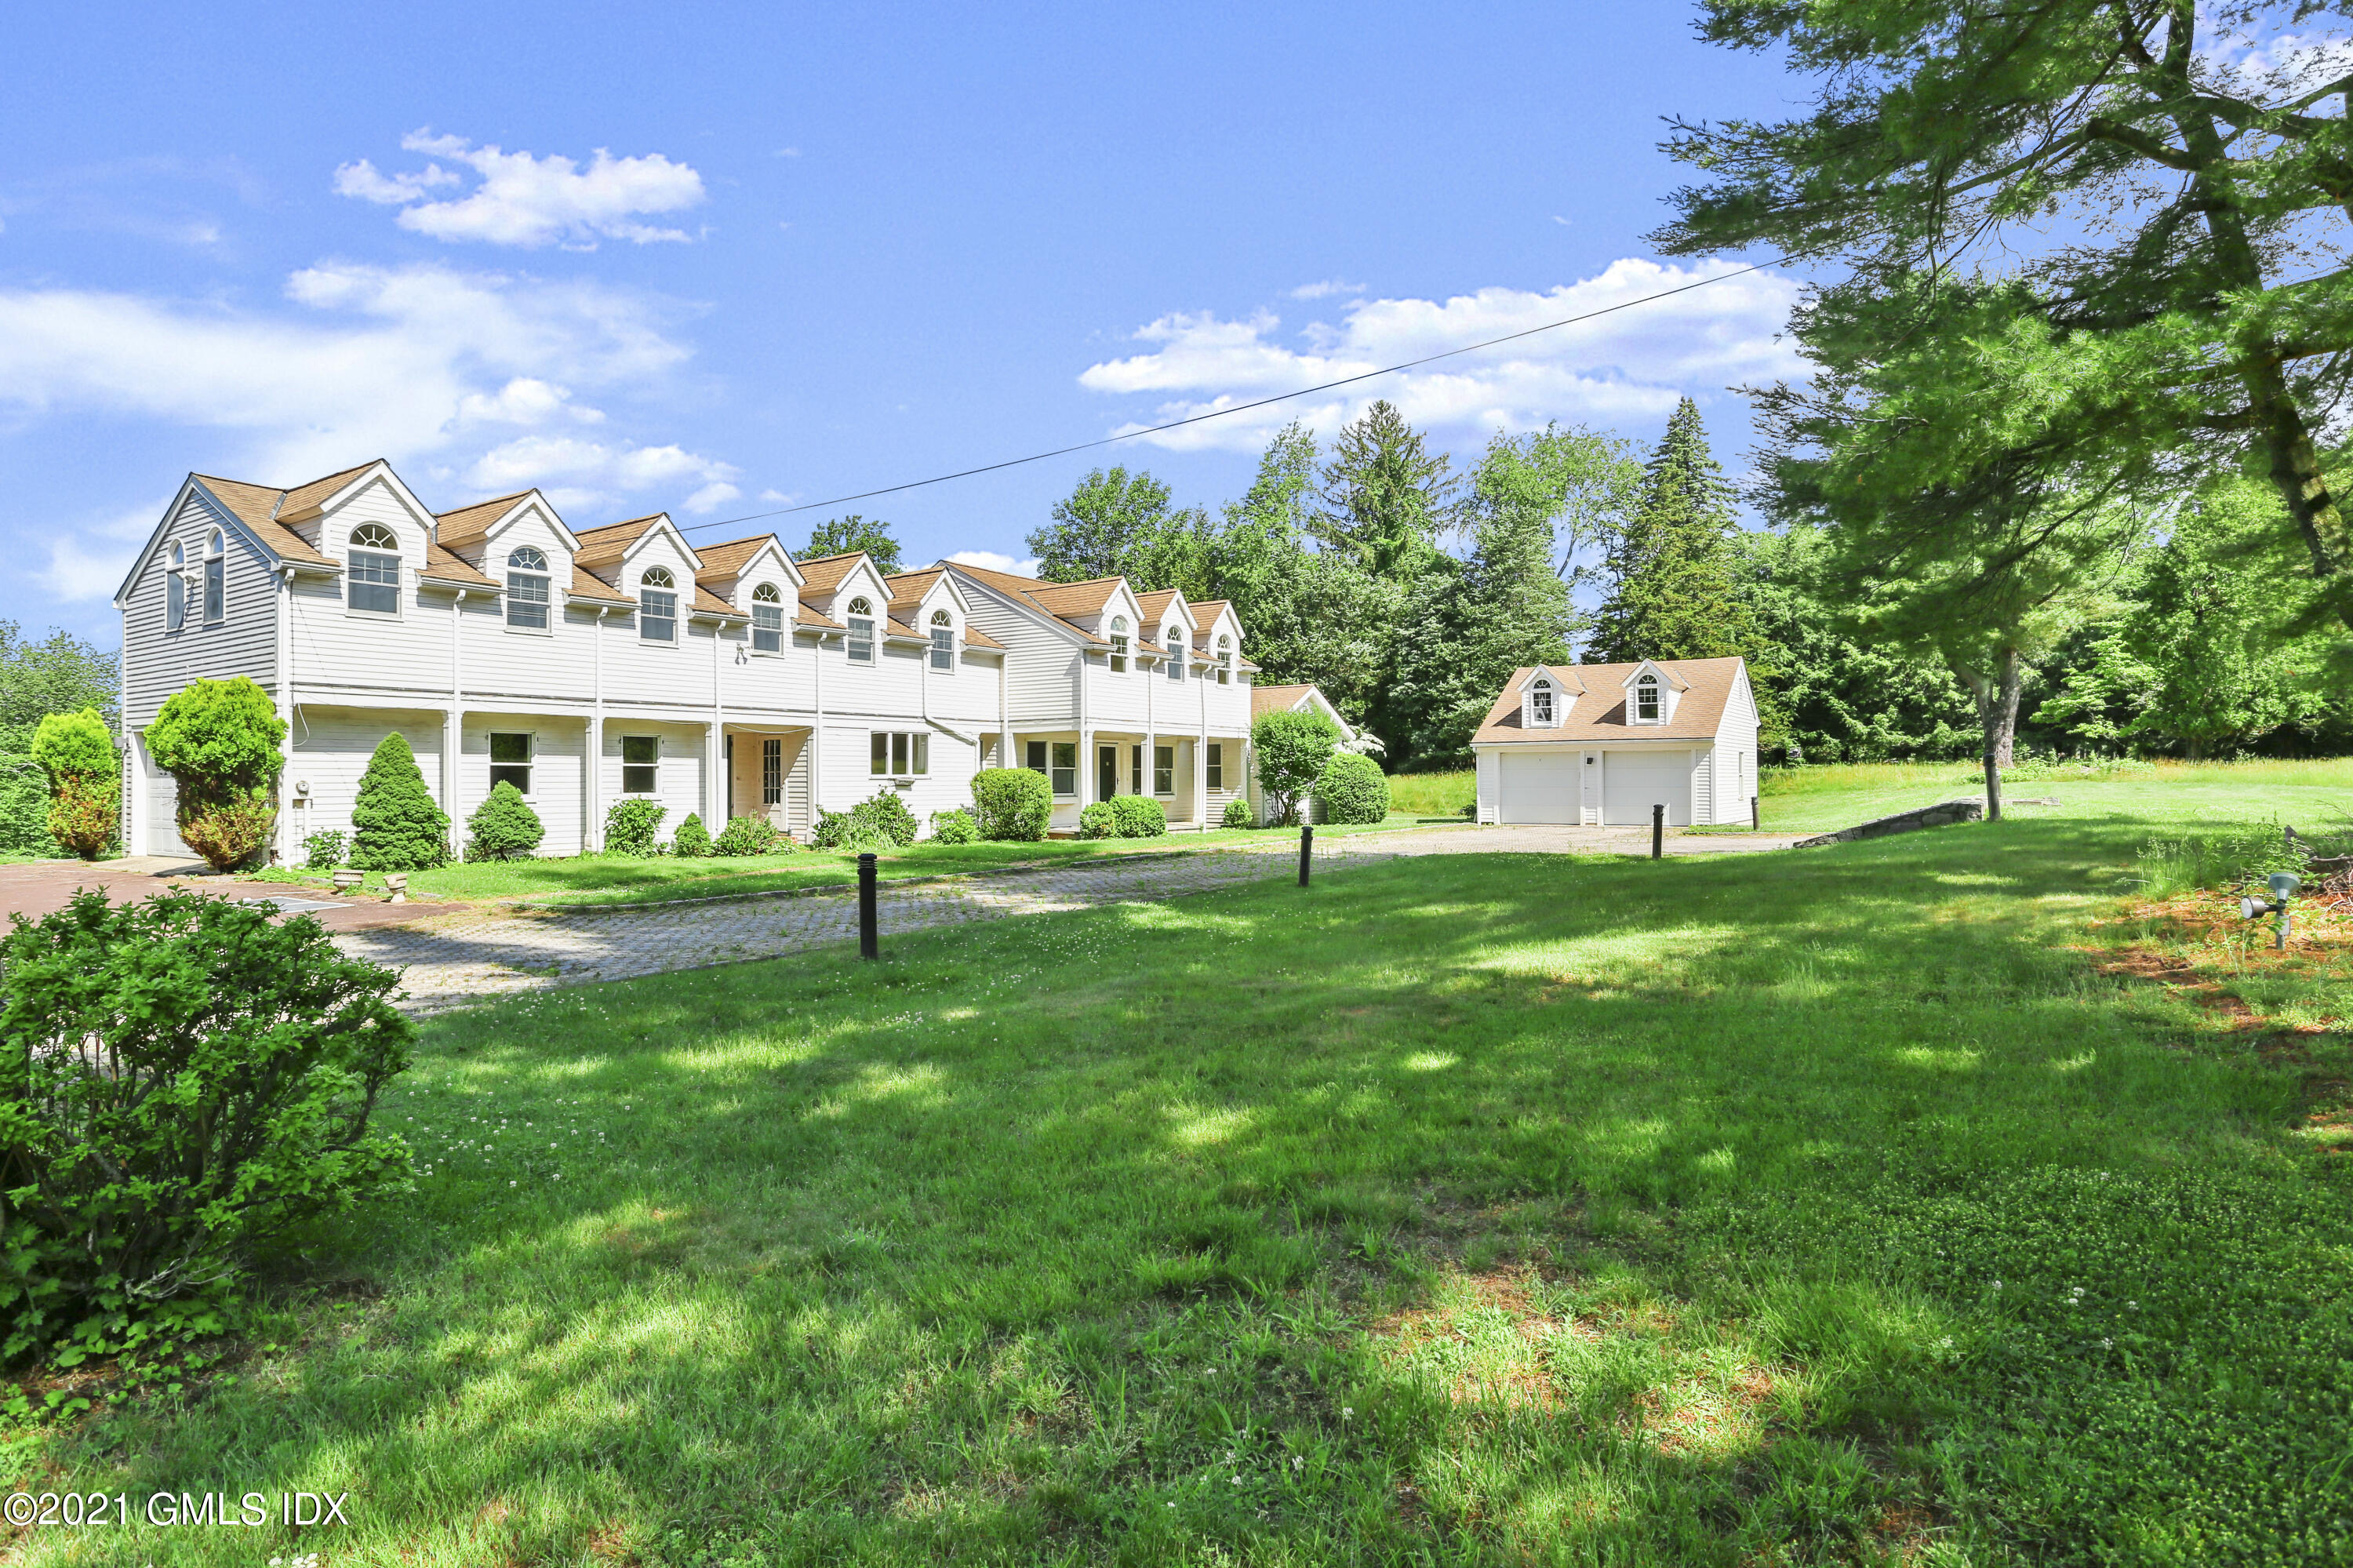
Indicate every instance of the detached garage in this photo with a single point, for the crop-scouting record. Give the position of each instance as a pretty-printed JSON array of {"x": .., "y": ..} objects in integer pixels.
[{"x": 1600, "y": 745}]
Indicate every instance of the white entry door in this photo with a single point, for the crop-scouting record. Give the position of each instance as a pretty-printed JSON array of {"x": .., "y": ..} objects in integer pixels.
[
  {"x": 1632, "y": 781},
  {"x": 1539, "y": 787}
]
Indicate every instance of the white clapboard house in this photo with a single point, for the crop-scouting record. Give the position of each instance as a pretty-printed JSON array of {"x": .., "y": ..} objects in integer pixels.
[
  {"x": 1600, "y": 745},
  {"x": 587, "y": 666}
]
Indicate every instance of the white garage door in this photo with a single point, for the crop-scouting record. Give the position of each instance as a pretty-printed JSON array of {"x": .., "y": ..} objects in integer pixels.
[
  {"x": 1539, "y": 787},
  {"x": 1632, "y": 781}
]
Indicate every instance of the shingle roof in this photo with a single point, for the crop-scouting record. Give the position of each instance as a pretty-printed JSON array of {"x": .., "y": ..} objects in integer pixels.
[
  {"x": 823, "y": 575},
  {"x": 1276, "y": 699},
  {"x": 1067, "y": 600},
  {"x": 611, "y": 542},
  {"x": 1155, "y": 605},
  {"x": 721, "y": 562},
  {"x": 1598, "y": 713},
  {"x": 587, "y": 584},
  {"x": 256, "y": 506},
  {"x": 1026, "y": 590},
  {"x": 470, "y": 522},
  {"x": 445, "y": 567},
  {"x": 909, "y": 588},
  {"x": 305, "y": 498},
  {"x": 709, "y": 603}
]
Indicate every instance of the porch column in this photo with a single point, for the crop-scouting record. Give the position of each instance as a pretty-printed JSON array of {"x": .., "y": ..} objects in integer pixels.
[{"x": 1086, "y": 766}]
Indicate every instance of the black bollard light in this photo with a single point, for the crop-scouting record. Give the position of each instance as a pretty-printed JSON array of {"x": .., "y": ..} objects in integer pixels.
[
  {"x": 870, "y": 939},
  {"x": 1658, "y": 831},
  {"x": 1755, "y": 817},
  {"x": 1306, "y": 849}
]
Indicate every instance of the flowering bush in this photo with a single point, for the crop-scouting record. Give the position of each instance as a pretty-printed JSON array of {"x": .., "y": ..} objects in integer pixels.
[
  {"x": 1012, "y": 804},
  {"x": 954, "y": 827},
  {"x": 181, "y": 1081},
  {"x": 630, "y": 825}
]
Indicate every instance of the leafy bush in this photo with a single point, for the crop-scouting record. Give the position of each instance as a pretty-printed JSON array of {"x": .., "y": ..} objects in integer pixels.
[
  {"x": 880, "y": 823},
  {"x": 76, "y": 751},
  {"x": 503, "y": 827},
  {"x": 396, "y": 826},
  {"x": 630, "y": 825},
  {"x": 322, "y": 850},
  {"x": 1012, "y": 804},
  {"x": 1292, "y": 748},
  {"x": 1353, "y": 789},
  {"x": 184, "y": 1079},
  {"x": 1238, "y": 814},
  {"x": 692, "y": 839},
  {"x": 1098, "y": 821},
  {"x": 954, "y": 827},
  {"x": 219, "y": 740},
  {"x": 1138, "y": 816},
  {"x": 751, "y": 835}
]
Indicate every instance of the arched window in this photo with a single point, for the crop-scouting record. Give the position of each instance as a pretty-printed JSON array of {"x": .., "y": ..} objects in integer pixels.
[
  {"x": 1225, "y": 661},
  {"x": 216, "y": 578},
  {"x": 658, "y": 606},
  {"x": 526, "y": 588},
  {"x": 1118, "y": 644},
  {"x": 1646, "y": 700},
  {"x": 1176, "y": 653},
  {"x": 1540, "y": 709},
  {"x": 943, "y": 640},
  {"x": 767, "y": 621},
  {"x": 861, "y": 632},
  {"x": 371, "y": 574},
  {"x": 176, "y": 590}
]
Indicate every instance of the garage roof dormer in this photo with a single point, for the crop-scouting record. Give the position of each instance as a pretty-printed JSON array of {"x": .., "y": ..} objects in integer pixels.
[{"x": 1651, "y": 691}]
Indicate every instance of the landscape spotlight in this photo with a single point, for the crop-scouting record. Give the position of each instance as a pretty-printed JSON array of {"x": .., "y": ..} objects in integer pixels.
[{"x": 2284, "y": 886}]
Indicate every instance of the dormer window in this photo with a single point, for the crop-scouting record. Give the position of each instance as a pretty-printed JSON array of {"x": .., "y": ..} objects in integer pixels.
[
  {"x": 943, "y": 640},
  {"x": 526, "y": 589},
  {"x": 767, "y": 619},
  {"x": 1118, "y": 644},
  {"x": 1176, "y": 653},
  {"x": 861, "y": 632},
  {"x": 658, "y": 606},
  {"x": 1225, "y": 661},
  {"x": 371, "y": 576},
  {"x": 1646, "y": 700},
  {"x": 176, "y": 590},
  {"x": 1540, "y": 704}
]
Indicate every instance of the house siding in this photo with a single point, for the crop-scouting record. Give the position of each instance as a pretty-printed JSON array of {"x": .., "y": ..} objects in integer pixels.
[{"x": 244, "y": 643}]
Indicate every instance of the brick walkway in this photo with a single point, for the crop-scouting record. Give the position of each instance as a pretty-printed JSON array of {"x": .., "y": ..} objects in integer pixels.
[{"x": 456, "y": 960}]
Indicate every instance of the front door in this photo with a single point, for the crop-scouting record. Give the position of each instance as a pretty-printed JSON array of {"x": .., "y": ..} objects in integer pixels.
[{"x": 1106, "y": 772}]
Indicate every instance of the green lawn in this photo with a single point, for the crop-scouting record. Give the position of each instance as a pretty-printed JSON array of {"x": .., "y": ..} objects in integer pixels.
[
  {"x": 2310, "y": 795},
  {"x": 1806, "y": 1208}
]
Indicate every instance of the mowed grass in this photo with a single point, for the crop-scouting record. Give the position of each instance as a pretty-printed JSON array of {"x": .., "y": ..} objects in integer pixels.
[
  {"x": 2315, "y": 795},
  {"x": 1806, "y": 1208}
]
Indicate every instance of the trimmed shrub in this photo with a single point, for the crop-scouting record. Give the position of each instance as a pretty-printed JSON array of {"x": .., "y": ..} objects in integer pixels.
[
  {"x": 219, "y": 740},
  {"x": 1138, "y": 816},
  {"x": 182, "y": 1081},
  {"x": 751, "y": 835},
  {"x": 1292, "y": 748},
  {"x": 954, "y": 827},
  {"x": 692, "y": 839},
  {"x": 1353, "y": 789},
  {"x": 880, "y": 822},
  {"x": 1099, "y": 821},
  {"x": 396, "y": 826},
  {"x": 76, "y": 751},
  {"x": 503, "y": 827},
  {"x": 630, "y": 825},
  {"x": 1238, "y": 814},
  {"x": 1012, "y": 804},
  {"x": 322, "y": 850}
]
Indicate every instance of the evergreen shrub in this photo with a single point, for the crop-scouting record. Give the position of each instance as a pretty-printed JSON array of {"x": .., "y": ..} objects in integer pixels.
[
  {"x": 503, "y": 827},
  {"x": 630, "y": 825},
  {"x": 751, "y": 835},
  {"x": 692, "y": 839},
  {"x": 954, "y": 827},
  {"x": 1138, "y": 816},
  {"x": 1012, "y": 804},
  {"x": 1353, "y": 789},
  {"x": 396, "y": 826},
  {"x": 322, "y": 850},
  {"x": 219, "y": 740},
  {"x": 1098, "y": 821},
  {"x": 76, "y": 751},
  {"x": 182, "y": 1081},
  {"x": 1238, "y": 814}
]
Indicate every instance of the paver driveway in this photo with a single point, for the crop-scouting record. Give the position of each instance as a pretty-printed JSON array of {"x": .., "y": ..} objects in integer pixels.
[{"x": 452, "y": 961}]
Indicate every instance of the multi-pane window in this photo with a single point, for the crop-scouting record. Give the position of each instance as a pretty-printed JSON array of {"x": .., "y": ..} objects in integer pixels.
[
  {"x": 1176, "y": 653},
  {"x": 1163, "y": 770},
  {"x": 899, "y": 754},
  {"x": 527, "y": 589},
  {"x": 371, "y": 576},
  {"x": 658, "y": 606},
  {"x": 175, "y": 590},
  {"x": 216, "y": 579},
  {"x": 1135, "y": 770},
  {"x": 1059, "y": 762},
  {"x": 772, "y": 771},
  {"x": 511, "y": 761},
  {"x": 1225, "y": 661},
  {"x": 1216, "y": 768},
  {"x": 861, "y": 632},
  {"x": 943, "y": 640},
  {"x": 1646, "y": 700},
  {"x": 767, "y": 621},
  {"x": 640, "y": 764},
  {"x": 1540, "y": 703},
  {"x": 1118, "y": 644}
]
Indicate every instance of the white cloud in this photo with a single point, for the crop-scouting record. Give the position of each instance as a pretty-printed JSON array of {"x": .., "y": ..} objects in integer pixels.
[
  {"x": 1631, "y": 365},
  {"x": 90, "y": 562},
  {"x": 529, "y": 201},
  {"x": 582, "y": 468},
  {"x": 989, "y": 560},
  {"x": 1325, "y": 289}
]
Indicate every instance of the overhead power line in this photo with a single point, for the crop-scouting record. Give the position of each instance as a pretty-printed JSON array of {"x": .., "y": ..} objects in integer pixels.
[{"x": 1240, "y": 407}]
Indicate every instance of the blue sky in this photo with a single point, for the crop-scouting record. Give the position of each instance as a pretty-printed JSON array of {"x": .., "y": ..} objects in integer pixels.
[{"x": 716, "y": 261}]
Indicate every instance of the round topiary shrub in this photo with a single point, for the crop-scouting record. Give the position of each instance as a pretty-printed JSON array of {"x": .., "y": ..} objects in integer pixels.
[
  {"x": 76, "y": 751},
  {"x": 396, "y": 826},
  {"x": 630, "y": 825},
  {"x": 503, "y": 827},
  {"x": 219, "y": 740},
  {"x": 692, "y": 839},
  {"x": 1238, "y": 814},
  {"x": 751, "y": 835},
  {"x": 1012, "y": 804},
  {"x": 1353, "y": 789},
  {"x": 182, "y": 1081},
  {"x": 1099, "y": 821},
  {"x": 954, "y": 827},
  {"x": 1138, "y": 816}
]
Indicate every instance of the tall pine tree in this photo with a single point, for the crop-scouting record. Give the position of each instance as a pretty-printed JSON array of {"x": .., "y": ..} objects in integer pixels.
[
  {"x": 1672, "y": 576},
  {"x": 1386, "y": 499}
]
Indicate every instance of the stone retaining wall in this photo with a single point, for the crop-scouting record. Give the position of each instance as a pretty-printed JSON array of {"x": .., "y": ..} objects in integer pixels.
[{"x": 1942, "y": 814}]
